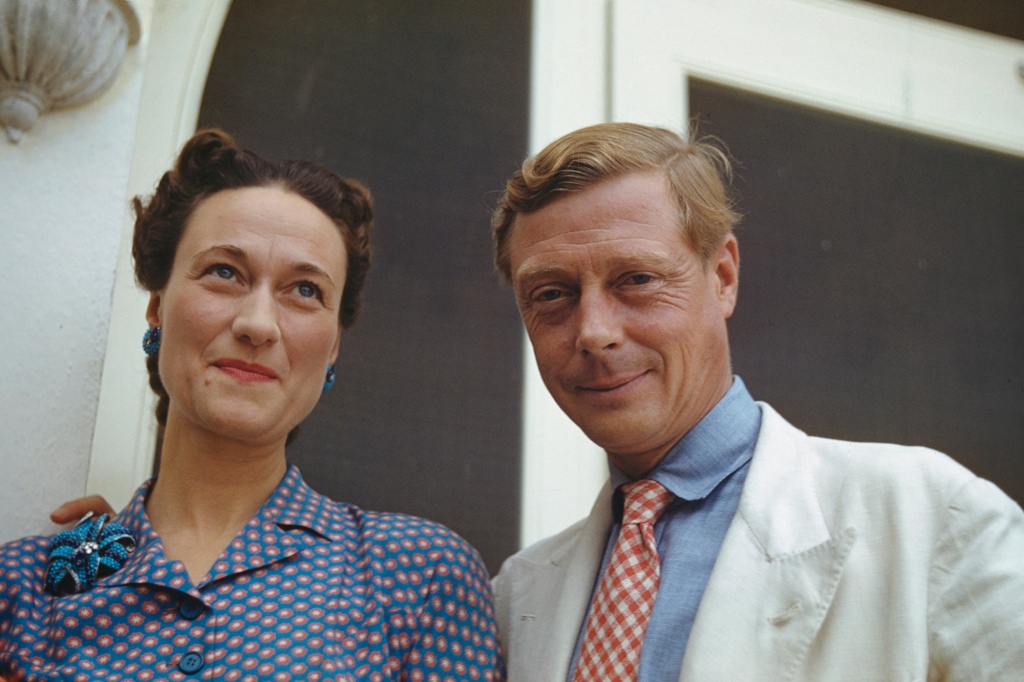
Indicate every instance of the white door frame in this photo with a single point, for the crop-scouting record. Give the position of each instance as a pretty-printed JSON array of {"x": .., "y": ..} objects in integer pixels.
[{"x": 182, "y": 40}]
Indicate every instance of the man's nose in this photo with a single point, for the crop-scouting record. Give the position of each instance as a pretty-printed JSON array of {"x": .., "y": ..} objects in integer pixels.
[
  {"x": 600, "y": 328},
  {"x": 257, "y": 318}
]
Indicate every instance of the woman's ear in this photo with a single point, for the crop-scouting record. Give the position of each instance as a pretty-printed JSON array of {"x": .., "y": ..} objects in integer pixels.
[
  {"x": 153, "y": 310},
  {"x": 337, "y": 344}
]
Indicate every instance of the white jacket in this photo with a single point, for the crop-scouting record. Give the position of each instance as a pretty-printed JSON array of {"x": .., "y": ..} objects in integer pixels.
[{"x": 845, "y": 561}]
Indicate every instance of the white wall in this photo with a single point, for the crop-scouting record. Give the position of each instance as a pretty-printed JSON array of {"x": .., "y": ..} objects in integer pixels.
[
  {"x": 64, "y": 192},
  {"x": 62, "y": 210}
]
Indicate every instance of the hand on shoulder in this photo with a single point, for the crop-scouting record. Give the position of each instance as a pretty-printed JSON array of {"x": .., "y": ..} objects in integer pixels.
[{"x": 72, "y": 511}]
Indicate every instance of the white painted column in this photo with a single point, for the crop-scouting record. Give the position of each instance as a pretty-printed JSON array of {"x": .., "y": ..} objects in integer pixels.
[{"x": 562, "y": 468}]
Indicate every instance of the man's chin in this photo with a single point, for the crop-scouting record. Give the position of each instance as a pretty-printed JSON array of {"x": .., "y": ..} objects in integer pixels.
[{"x": 626, "y": 436}]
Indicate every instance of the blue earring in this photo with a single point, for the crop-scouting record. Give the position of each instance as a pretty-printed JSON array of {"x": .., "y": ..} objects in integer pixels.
[
  {"x": 329, "y": 379},
  {"x": 151, "y": 341}
]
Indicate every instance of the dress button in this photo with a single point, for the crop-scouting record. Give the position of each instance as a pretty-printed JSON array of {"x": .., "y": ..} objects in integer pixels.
[
  {"x": 190, "y": 663},
  {"x": 190, "y": 609}
]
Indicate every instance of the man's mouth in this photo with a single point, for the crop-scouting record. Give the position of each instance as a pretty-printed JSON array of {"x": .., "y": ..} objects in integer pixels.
[{"x": 614, "y": 384}]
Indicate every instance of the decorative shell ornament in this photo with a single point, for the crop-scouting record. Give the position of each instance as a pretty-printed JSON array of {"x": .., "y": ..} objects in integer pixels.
[{"x": 56, "y": 54}]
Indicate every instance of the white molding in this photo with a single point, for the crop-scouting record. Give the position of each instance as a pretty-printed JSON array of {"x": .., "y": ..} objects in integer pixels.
[
  {"x": 181, "y": 42},
  {"x": 846, "y": 57}
]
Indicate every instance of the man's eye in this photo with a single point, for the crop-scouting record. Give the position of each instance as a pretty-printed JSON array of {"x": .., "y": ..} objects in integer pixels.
[
  {"x": 308, "y": 290},
  {"x": 549, "y": 295},
  {"x": 639, "y": 279}
]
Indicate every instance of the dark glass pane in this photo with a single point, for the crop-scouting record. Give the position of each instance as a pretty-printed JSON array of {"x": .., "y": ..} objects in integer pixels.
[
  {"x": 882, "y": 288},
  {"x": 427, "y": 104},
  {"x": 1002, "y": 17}
]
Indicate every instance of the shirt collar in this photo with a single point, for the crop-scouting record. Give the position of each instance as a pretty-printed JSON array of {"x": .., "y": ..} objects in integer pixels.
[
  {"x": 718, "y": 445},
  {"x": 293, "y": 504}
]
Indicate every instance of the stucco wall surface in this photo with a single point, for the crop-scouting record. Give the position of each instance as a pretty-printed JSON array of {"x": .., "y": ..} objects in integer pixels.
[{"x": 63, "y": 206}]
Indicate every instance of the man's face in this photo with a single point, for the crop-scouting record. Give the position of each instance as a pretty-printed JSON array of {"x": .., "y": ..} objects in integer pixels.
[{"x": 627, "y": 324}]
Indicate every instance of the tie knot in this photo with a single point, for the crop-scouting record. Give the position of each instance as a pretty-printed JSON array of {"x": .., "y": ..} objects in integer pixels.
[{"x": 644, "y": 501}]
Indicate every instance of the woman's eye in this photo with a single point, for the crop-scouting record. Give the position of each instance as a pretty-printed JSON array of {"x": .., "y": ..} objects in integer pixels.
[
  {"x": 308, "y": 290},
  {"x": 223, "y": 271}
]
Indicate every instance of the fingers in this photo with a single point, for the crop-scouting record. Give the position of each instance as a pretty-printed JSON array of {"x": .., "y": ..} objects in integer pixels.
[{"x": 69, "y": 512}]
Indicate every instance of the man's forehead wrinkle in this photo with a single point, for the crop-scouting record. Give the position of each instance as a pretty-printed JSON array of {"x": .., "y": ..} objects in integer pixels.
[
  {"x": 634, "y": 248},
  {"x": 585, "y": 227}
]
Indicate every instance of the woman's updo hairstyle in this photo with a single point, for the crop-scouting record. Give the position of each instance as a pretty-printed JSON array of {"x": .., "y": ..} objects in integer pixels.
[{"x": 210, "y": 162}]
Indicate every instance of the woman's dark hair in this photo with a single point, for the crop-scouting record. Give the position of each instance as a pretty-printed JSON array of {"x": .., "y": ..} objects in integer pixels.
[{"x": 210, "y": 162}]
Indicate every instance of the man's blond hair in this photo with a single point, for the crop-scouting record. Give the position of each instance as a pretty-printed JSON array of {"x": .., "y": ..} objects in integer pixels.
[{"x": 697, "y": 173}]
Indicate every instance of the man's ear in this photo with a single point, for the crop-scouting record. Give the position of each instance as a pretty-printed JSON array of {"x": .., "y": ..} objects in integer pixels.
[
  {"x": 154, "y": 312},
  {"x": 726, "y": 262}
]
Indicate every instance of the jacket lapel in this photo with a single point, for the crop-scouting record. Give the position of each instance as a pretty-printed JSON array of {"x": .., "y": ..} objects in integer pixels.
[
  {"x": 551, "y": 597},
  {"x": 777, "y": 571}
]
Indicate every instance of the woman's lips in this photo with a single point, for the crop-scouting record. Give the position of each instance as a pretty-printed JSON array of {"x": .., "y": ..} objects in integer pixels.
[{"x": 245, "y": 371}]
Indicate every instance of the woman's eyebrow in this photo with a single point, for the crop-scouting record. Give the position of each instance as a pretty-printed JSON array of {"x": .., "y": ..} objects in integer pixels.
[
  {"x": 229, "y": 249},
  {"x": 232, "y": 250},
  {"x": 313, "y": 269}
]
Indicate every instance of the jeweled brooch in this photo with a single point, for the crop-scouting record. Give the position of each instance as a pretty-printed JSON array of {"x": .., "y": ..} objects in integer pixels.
[{"x": 92, "y": 550}]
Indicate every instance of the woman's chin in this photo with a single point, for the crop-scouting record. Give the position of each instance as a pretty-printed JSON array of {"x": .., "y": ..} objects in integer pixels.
[
  {"x": 257, "y": 419},
  {"x": 255, "y": 429}
]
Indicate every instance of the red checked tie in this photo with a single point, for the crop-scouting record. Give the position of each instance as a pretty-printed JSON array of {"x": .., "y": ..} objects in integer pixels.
[{"x": 623, "y": 604}]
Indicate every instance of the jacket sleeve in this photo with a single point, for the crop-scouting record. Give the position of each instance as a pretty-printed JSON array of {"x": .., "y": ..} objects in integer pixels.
[
  {"x": 499, "y": 584},
  {"x": 976, "y": 588}
]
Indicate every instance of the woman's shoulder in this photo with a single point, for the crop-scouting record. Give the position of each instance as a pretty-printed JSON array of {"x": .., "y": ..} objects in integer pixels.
[
  {"x": 23, "y": 571},
  {"x": 23, "y": 554},
  {"x": 398, "y": 526},
  {"x": 427, "y": 579},
  {"x": 348, "y": 523},
  {"x": 383, "y": 533},
  {"x": 394, "y": 549}
]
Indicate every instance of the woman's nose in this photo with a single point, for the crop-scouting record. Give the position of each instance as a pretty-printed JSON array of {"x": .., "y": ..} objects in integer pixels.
[{"x": 257, "y": 319}]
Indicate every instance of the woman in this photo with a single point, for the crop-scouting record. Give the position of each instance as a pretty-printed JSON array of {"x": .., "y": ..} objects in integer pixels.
[{"x": 240, "y": 570}]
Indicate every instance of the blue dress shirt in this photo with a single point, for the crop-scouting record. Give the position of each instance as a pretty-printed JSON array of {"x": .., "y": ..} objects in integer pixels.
[{"x": 705, "y": 471}]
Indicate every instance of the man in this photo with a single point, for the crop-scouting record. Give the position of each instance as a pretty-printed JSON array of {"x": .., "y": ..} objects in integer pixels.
[{"x": 747, "y": 550}]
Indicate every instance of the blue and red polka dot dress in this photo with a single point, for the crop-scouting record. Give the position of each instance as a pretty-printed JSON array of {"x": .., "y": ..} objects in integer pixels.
[{"x": 311, "y": 589}]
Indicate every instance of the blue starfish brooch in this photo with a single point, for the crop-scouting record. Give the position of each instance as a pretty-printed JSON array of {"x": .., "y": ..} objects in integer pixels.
[{"x": 93, "y": 549}]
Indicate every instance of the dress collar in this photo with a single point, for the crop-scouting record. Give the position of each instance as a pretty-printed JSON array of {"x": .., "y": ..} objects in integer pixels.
[{"x": 293, "y": 504}]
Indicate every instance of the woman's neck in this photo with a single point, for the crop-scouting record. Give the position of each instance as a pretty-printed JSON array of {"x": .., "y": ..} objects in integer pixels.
[{"x": 207, "y": 488}]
